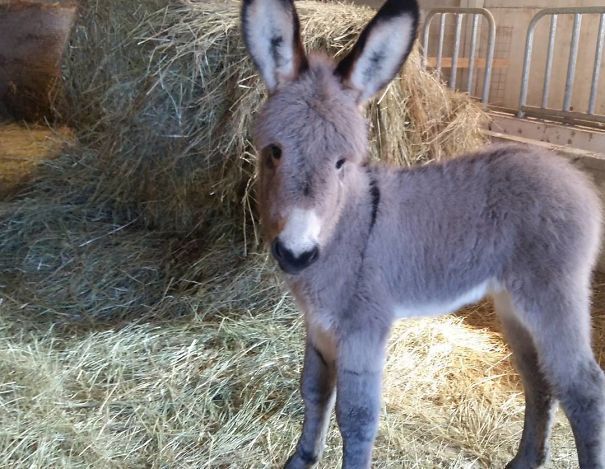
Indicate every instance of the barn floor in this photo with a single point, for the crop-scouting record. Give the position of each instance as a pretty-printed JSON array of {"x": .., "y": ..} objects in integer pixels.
[{"x": 220, "y": 390}]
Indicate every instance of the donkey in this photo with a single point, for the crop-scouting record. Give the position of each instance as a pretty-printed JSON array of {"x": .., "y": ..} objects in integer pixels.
[{"x": 362, "y": 245}]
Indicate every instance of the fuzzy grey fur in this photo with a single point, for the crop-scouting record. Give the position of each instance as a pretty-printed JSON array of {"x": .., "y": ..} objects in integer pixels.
[{"x": 519, "y": 224}]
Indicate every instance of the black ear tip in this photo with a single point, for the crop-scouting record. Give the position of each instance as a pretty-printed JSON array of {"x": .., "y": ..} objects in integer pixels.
[
  {"x": 398, "y": 7},
  {"x": 245, "y": 5},
  {"x": 288, "y": 4}
]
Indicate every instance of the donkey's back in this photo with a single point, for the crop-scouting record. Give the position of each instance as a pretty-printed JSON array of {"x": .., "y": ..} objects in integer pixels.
[{"x": 505, "y": 217}]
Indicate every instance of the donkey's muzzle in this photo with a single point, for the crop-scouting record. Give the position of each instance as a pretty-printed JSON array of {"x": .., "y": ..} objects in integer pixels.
[{"x": 288, "y": 261}]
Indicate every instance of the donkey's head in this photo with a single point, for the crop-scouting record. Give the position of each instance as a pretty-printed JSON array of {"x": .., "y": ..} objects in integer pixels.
[{"x": 311, "y": 132}]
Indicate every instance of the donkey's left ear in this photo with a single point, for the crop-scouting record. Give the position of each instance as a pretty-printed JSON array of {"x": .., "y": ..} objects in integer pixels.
[
  {"x": 381, "y": 49},
  {"x": 272, "y": 35}
]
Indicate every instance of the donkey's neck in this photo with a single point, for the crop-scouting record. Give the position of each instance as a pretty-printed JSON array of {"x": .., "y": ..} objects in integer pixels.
[
  {"x": 336, "y": 273},
  {"x": 358, "y": 215}
]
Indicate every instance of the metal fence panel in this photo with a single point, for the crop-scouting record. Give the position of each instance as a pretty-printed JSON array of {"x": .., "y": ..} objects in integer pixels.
[
  {"x": 459, "y": 14},
  {"x": 565, "y": 113}
]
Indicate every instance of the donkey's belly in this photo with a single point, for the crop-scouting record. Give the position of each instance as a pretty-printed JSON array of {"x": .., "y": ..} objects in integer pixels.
[{"x": 439, "y": 307}]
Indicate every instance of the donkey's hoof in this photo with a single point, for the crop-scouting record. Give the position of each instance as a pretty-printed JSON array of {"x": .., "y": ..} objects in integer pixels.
[
  {"x": 300, "y": 461},
  {"x": 524, "y": 463}
]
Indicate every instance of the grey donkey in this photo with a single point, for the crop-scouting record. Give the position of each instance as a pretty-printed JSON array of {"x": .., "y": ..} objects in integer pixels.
[{"x": 363, "y": 245}]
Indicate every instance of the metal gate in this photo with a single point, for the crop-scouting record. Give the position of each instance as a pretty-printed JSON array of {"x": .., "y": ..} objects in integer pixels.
[
  {"x": 565, "y": 113},
  {"x": 459, "y": 14}
]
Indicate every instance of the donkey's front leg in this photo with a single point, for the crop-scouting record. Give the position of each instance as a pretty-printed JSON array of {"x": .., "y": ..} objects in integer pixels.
[
  {"x": 359, "y": 377},
  {"x": 317, "y": 388}
]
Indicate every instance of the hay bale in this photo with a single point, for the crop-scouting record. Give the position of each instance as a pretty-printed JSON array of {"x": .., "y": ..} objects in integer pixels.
[
  {"x": 170, "y": 97},
  {"x": 162, "y": 98},
  {"x": 74, "y": 265}
]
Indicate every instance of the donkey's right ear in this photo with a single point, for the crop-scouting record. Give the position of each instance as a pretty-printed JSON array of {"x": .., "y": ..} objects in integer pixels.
[{"x": 272, "y": 35}]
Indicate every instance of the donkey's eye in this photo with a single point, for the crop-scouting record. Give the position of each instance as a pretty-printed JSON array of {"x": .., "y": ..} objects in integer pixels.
[
  {"x": 270, "y": 154},
  {"x": 340, "y": 163},
  {"x": 274, "y": 151}
]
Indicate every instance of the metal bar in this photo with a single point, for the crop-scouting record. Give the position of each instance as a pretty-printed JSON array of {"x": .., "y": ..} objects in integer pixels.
[
  {"x": 597, "y": 66},
  {"x": 569, "y": 11},
  {"x": 472, "y": 52},
  {"x": 426, "y": 29},
  {"x": 541, "y": 13},
  {"x": 571, "y": 66},
  {"x": 571, "y": 116},
  {"x": 549, "y": 60},
  {"x": 456, "y": 51},
  {"x": 459, "y": 12},
  {"x": 571, "y": 69},
  {"x": 529, "y": 45},
  {"x": 440, "y": 45},
  {"x": 491, "y": 46}
]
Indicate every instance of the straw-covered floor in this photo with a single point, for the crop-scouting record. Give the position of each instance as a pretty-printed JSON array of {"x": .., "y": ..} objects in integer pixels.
[{"x": 142, "y": 324}]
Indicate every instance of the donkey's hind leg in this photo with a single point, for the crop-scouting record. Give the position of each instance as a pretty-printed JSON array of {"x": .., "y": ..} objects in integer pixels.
[
  {"x": 539, "y": 401},
  {"x": 558, "y": 319}
]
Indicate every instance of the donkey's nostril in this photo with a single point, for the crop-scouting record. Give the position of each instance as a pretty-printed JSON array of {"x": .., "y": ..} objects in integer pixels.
[
  {"x": 276, "y": 249},
  {"x": 290, "y": 262}
]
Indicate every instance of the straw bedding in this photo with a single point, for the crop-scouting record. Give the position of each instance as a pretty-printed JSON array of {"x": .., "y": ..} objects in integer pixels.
[{"x": 141, "y": 324}]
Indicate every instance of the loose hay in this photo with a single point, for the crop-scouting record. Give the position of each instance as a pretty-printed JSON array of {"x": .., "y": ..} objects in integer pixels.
[
  {"x": 139, "y": 327},
  {"x": 220, "y": 390}
]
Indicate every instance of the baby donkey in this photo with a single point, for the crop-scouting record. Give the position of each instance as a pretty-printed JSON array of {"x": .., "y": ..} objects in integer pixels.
[{"x": 362, "y": 245}]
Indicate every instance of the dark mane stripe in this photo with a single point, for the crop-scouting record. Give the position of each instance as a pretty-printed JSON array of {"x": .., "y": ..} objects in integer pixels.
[{"x": 375, "y": 197}]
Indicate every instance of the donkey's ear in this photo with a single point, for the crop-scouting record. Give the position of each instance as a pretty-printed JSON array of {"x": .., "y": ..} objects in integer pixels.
[
  {"x": 381, "y": 49},
  {"x": 272, "y": 36}
]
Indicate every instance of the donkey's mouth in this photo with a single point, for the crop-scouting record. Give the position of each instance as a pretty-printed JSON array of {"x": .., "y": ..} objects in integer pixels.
[{"x": 291, "y": 263}]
